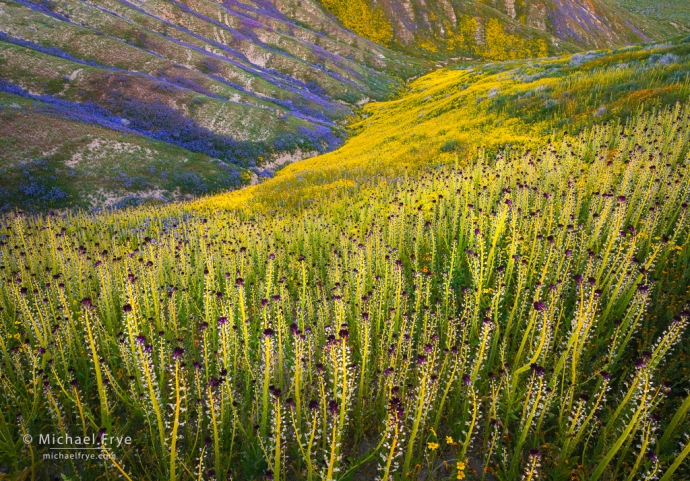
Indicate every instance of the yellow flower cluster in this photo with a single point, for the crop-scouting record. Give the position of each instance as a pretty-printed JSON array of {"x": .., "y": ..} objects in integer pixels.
[{"x": 461, "y": 470}]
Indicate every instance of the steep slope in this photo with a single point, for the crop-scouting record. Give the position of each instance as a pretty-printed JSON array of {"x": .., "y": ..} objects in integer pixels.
[
  {"x": 239, "y": 82},
  {"x": 495, "y": 29}
]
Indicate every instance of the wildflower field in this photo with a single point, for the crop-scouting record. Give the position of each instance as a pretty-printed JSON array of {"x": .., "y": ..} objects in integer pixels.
[{"x": 517, "y": 316}]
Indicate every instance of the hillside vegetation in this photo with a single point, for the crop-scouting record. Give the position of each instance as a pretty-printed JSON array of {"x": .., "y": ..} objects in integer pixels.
[
  {"x": 488, "y": 280},
  {"x": 672, "y": 16},
  {"x": 498, "y": 29},
  {"x": 519, "y": 317},
  {"x": 236, "y": 89},
  {"x": 446, "y": 115}
]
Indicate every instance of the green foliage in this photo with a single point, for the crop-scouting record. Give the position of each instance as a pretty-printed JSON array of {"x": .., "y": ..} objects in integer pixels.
[
  {"x": 521, "y": 313},
  {"x": 450, "y": 146}
]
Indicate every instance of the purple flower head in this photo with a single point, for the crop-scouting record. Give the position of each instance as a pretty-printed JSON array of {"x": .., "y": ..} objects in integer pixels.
[
  {"x": 578, "y": 279},
  {"x": 127, "y": 308},
  {"x": 268, "y": 332},
  {"x": 395, "y": 407},
  {"x": 606, "y": 375},
  {"x": 177, "y": 353},
  {"x": 539, "y": 306},
  {"x": 534, "y": 454},
  {"x": 222, "y": 320},
  {"x": 621, "y": 199},
  {"x": 86, "y": 302},
  {"x": 651, "y": 455},
  {"x": 333, "y": 407},
  {"x": 466, "y": 380},
  {"x": 313, "y": 405},
  {"x": 289, "y": 402},
  {"x": 239, "y": 282},
  {"x": 421, "y": 359},
  {"x": 276, "y": 393},
  {"x": 203, "y": 326},
  {"x": 141, "y": 339},
  {"x": 537, "y": 370},
  {"x": 428, "y": 348},
  {"x": 343, "y": 333},
  {"x": 148, "y": 348}
]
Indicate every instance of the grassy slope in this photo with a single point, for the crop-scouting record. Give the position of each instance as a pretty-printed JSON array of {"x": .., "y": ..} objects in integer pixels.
[
  {"x": 49, "y": 161},
  {"x": 671, "y": 16},
  {"x": 524, "y": 227},
  {"x": 271, "y": 85},
  {"x": 447, "y": 114}
]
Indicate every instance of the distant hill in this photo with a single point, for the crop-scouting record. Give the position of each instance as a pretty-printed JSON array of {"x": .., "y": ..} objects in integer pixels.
[
  {"x": 670, "y": 17},
  {"x": 495, "y": 29}
]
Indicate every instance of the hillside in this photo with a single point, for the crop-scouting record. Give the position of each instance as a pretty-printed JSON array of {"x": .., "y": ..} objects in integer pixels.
[
  {"x": 236, "y": 86},
  {"x": 671, "y": 17},
  {"x": 519, "y": 316},
  {"x": 479, "y": 269},
  {"x": 445, "y": 116},
  {"x": 232, "y": 91},
  {"x": 494, "y": 29}
]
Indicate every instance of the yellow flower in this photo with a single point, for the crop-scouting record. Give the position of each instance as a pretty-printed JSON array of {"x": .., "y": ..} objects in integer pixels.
[
  {"x": 461, "y": 475},
  {"x": 433, "y": 446},
  {"x": 449, "y": 440},
  {"x": 461, "y": 466}
]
